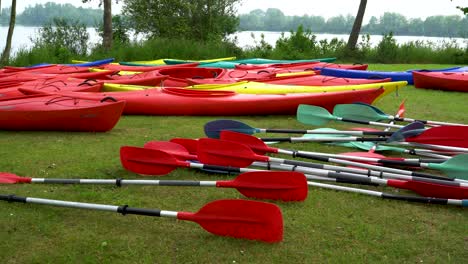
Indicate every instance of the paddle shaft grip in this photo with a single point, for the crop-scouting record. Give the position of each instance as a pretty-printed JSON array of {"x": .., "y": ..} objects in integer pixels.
[
  {"x": 124, "y": 209},
  {"x": 354, "y": 121},
  {"x": 353, "y": 180},
  {"x": 12, "y": 198},
  {"x": 399, "y": 163},
  {"x": 222, "y": 168},
  {"x": 414, "y": 199}
]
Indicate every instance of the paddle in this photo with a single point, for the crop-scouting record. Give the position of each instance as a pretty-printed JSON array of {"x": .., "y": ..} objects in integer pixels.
[
  {"x": 318, "y": 116},
  {"x": 285, "y": 186},
  {"x": 454, "y": 167},
  {"x": 228, "y": 153},
  {"x": 380, "y": 147},
  {"x": 213, "y": 129},
  {"x": 365, "y": 112},
  {"x": 415, "y": 127},
  {"x": 383, "y": 195},
  {"x": 450, "y": 136},
  {"x": 446, "y": 190},
  {"x": 234, "y": 218},
  {"x": 259, "y": 147}
]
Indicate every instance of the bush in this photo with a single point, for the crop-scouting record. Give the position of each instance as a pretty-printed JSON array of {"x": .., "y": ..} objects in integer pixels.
[
  {"x": 387, "y": 49},
  {"x": 64, "y": 37}
]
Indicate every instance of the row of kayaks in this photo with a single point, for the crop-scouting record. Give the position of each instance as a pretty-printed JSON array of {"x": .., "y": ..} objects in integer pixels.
[
  {"x": 91, "y": 96},
  {"x": 450, "y": 79}
]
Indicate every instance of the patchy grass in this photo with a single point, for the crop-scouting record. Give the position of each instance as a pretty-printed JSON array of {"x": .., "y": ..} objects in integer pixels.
[{"x": 328, "y": 226}]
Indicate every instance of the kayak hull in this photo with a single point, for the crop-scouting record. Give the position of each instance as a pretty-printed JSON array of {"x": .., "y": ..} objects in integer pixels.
[
  {"x": 395, "y": 76},
  {"x": 59, "y": 113},
  {"x": 448, "y": 81},
  {"x": 183, "y": 102}
]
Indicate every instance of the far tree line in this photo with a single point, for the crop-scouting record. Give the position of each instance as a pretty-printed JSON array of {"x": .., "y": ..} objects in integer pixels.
[
  {"x": 212, "y": 20},
  {"x": 273, "y": 19}
]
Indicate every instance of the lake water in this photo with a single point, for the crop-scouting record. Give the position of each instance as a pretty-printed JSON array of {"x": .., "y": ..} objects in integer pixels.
[{"x": 22, "y": 37}]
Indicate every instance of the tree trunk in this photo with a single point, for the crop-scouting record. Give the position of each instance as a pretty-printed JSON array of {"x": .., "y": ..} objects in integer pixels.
[
  {"x": 107, "y": 38},
  {"x": 353, "y": 37},
  {"x": 6, "y": 51}
]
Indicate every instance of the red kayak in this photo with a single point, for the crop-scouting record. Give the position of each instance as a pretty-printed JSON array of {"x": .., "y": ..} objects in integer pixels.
[
  {"x": 181, "y": 76},
  {"x": 305, "y": 80},
  {"x": 62, "y": 113},
  {"x": 177, "y": 101},
  {"x": 301, "y": 66},
  {"x": 118, "y": 67},
  {"x": 449, "y": 81},
  {"x": 49, "y": 86},
  {"x": 49, "y": 69}
]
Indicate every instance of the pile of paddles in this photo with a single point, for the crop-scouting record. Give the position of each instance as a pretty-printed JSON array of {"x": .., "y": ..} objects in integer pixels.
[
  {"x": 230, "y": 148},
  {"x": 92, "y": 96}
]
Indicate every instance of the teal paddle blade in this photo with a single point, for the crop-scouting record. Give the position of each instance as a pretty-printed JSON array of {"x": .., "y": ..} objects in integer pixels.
[
  {"x": 359, "y": 112},
  {"x": 313, "y": 115},
  {"x": 454, "y": 167}
]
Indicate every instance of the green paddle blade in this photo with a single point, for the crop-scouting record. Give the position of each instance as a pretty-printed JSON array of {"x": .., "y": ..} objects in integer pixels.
[
  {"x": 454, "y": 167},
  {"x": 354, "y": 144},
  {"x": 313, "y": 115},
  {"x": 318, "y": 136},
  {"x": 359, "y": 112}
]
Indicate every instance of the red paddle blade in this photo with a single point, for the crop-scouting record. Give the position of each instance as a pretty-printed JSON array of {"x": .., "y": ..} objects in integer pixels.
[
  {"x": 401, "y": 109},
  {"x": 188, "y": 143},
  {"x": 10, "y": 178},
  {"x": 225, "y": 153},
  {"x": 272, "y": 185},
  {"x": 254, "y": 143},
  {"x": 454, "y": 136},
  {"x": 240, "y": 219},
  {"x": 176, "y": 150},
  {"x": 148, "y": 161},
  {"x": 428, "y": 189}
]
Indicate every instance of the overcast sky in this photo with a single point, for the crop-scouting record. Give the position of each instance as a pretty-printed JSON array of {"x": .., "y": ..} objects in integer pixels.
[{"x": 327, "y": 8}]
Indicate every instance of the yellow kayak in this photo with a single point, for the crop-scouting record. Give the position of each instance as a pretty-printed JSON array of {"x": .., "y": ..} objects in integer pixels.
[{"x": 262, "y": 88}]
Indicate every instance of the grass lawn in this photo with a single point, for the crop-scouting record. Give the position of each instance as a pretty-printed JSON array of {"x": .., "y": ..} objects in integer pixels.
[{"x": 329, "y": 226}]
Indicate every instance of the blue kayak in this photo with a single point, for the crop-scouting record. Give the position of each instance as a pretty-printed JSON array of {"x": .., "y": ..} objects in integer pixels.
[
  {"x": 92, "y": 63},
  {"x": 395, "y": 76}
]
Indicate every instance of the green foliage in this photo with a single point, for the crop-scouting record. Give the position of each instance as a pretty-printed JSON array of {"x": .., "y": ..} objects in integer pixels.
[
  {"x": 387, "y": 49},
  {"x": 304, "y": 44},
  {"x": 42, "y": 14},
  {"x": 120, "y": 26},
  {"x": 199, "y": 19},
  {"x": 261, "y": 49},
  {"x": 274, "y": 20},
  {"x": 64, "y": 38}
]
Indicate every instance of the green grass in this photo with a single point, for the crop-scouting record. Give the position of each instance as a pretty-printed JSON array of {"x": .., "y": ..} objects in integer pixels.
[{"x": 329, "y": 226}]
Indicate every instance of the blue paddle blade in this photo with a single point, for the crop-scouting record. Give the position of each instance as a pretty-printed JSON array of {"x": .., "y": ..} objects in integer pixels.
[
  {"x": 410, "y": 130},
  {"x": 373, "y": 107},
  {"x": 214, "y": 128}
]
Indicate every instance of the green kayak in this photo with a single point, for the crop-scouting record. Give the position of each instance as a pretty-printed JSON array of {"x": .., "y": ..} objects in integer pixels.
[{"x": 232, "y": 63}]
